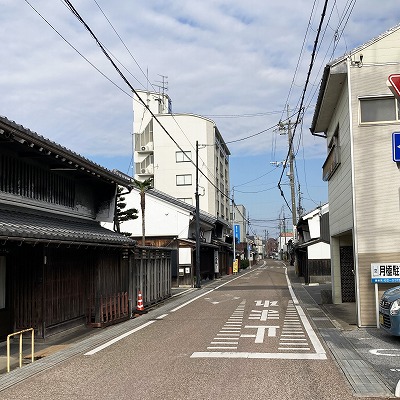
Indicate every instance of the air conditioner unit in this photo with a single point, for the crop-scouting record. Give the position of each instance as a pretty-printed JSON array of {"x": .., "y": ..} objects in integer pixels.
[
  {"x": 143, "y": 170},
  {"x": 148, "y": 147}
]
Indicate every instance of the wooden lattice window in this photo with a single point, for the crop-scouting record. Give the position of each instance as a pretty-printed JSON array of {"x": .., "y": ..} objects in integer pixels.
[{"x": 20, "y": 178}]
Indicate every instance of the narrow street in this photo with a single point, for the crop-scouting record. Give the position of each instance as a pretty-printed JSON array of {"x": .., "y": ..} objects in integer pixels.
[{"x": 247, "y": 338}]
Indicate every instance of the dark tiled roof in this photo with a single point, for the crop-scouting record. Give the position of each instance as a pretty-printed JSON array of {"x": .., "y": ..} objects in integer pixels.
[
  {"x": 26, "y": 135},
  {"x": 30, "y": 227}
]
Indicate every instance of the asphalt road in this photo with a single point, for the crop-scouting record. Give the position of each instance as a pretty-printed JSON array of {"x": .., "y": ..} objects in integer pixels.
[{"x": 244, "y": 339}]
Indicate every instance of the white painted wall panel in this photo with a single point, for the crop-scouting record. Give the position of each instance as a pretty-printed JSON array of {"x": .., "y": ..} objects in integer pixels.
[
  {"x": 376, "y": 176},
  {"x": 319, "y": 251},
  {"x": 339, "y": 186},
  {"x": 162, "y": 219}
]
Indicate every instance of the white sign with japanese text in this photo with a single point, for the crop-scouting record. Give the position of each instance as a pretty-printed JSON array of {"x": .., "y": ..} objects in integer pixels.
[{"x": 385, "y": 272}]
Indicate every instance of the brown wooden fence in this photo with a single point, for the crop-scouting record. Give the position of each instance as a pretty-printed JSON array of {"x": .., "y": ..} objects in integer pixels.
[
  {"x": 151, "y": 274},
  {"x": 108, "y": 309}
]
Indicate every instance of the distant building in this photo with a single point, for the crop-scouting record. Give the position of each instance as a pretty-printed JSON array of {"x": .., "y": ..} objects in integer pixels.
[
  {"x": 239, "y": 219},
  {"x": 357, "y": 113},
  {"x": 312, "y": 249},
  {"x": 171, "y": 223},
  {"x": 256, "y": 246},
  {"x": 284, "y": 241},
  {"x": 173, "y": 168}
]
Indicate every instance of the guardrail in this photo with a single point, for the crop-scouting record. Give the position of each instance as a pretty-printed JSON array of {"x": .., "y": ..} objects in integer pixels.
[{"x": 20, "y": 346}]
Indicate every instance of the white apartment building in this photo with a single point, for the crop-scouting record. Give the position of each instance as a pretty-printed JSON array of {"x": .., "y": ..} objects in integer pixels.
[{"x": 165, "y": 150}]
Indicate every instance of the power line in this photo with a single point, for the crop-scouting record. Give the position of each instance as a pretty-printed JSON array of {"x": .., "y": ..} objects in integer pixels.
[
  {"x": 251, "y": 136},
  {"x": 256, "y": 179},
  {"x": 258, "y": 191},
  {"x": 258, "y": 133},
  {"x": 242, "y": 115},
  {"x": 80, "y": 19},
  {"x": 74, "y": 48},
  {"x": 120, "y": 38},
  {"x": 145, "y": 75},
  {"x": 333, "y": 43},
  {"x": 302, "y": 97}
]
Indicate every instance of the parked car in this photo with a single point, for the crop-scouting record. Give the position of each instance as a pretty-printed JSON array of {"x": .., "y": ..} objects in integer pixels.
[{"x": 389, "y": 311}]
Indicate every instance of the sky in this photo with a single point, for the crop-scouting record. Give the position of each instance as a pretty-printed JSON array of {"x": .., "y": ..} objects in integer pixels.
[{"x": 246, "y": 65}]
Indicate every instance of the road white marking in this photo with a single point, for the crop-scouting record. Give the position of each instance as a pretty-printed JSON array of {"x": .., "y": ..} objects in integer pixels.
[
  {"x": 271, "y": 332},
  {"x": 292, "y": 329},
  {"x": 224, "y": 343},
  {"x": 109, "y": 343},
  {"x": 291, "y": 344},
  {"x": 237, "y": 354},
  {"x": 294, "y": 334},
  {"x": 228, "y": 334},
  {"x": 294, "y": 348},
  {"x": 209, "y": 291},
  {"x": 386, "y": 352},
  {"x": 286, "y": 329}
]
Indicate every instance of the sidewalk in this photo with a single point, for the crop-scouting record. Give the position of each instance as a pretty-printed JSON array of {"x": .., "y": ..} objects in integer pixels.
[{"x": 330, "y": 320}]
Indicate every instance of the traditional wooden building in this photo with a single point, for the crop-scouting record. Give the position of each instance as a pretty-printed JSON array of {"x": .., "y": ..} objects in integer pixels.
[
  {"x": 171, "y": 223},
  {"x": 312, "y": 249},
  {"x": 59, "y": 267}
]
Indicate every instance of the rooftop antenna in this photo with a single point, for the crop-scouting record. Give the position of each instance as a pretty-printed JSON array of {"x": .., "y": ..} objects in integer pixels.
[{"x": 162, "y": 88}]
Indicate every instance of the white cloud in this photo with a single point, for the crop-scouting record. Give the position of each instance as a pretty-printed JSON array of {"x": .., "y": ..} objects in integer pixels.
[{"x": 220, "y": 56}]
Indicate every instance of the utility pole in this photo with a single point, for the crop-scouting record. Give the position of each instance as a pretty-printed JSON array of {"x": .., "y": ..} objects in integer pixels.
[
  {"x": 287, "y": 126},
  {"x": 233, "y": 227},
  {"x": 265, "y": 243},
  {"x": 197, "y": 197},
  {"x": 300, "y": 209}
]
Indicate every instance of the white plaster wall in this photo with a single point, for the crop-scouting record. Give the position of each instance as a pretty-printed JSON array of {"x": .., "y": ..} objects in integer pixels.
[
  {"x": 314, "y": 226},
  {"x": 319, "y": 251},
  {"x": 162, "y": 219}
]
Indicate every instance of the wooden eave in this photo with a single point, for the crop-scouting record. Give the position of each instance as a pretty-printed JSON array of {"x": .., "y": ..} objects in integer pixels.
[{"x": 32, "y": 145}]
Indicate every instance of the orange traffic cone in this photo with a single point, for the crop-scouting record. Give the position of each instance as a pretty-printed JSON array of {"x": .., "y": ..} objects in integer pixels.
[{"x": 140, "y": 306}]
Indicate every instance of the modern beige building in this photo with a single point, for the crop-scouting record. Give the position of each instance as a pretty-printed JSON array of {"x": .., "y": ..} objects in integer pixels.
[
  {"x": 357, "y": 113},
  {"x": 165, "y": 150}
]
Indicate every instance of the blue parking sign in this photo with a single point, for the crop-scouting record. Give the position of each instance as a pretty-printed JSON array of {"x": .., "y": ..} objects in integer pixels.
[{"x": 396, "y": 146}]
